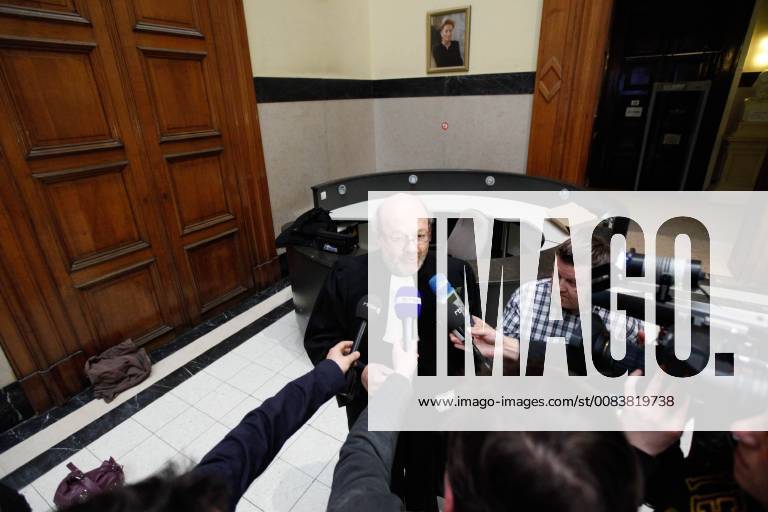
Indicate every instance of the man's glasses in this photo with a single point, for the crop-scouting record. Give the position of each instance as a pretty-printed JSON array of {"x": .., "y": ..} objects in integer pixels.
[{"x": 401, "y": 239}]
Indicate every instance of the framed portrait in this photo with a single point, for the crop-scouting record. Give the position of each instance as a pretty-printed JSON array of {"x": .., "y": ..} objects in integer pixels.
[{"x": 448, "y": 40}]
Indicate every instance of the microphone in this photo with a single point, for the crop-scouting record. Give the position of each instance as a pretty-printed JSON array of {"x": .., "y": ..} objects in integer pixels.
[
  {"x": 368, "y": 305},
  {"x": 446, "y": 294},
  {"x": 408, "y": 309}
]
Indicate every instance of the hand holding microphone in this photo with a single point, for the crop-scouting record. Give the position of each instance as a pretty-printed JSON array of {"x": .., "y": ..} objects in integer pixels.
[
  {"x": 368, "y": 305},
  {"x": 446, "y": 294}
]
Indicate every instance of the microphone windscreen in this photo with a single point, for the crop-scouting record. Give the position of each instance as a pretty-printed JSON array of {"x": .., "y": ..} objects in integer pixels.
[
  {"x": 441, "y": 286},
  {"x": 407, "y": 302}
]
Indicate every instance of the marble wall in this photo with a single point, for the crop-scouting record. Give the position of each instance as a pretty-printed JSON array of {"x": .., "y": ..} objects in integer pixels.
[{"x": 309, "y": 142}]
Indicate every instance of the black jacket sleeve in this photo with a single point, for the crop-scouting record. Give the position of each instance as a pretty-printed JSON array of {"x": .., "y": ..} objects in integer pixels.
[{"x": 249, "y": 448}]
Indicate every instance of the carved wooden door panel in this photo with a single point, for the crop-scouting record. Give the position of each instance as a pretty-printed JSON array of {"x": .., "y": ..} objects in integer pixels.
[
  {"x": 121, "y": 213},
  {"x": 78, "y": 171},
  {"x": 176, "y": 77}
]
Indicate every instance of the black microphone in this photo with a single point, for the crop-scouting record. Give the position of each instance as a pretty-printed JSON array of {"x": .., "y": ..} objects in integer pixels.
[
  {"x": 368, "y": 305},
  {"x": 456, "y": 312}
]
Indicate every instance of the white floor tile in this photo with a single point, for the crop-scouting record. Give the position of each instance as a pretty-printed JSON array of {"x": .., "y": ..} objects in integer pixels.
[
  {"x": 46, "y": 485},
  {"x": 291, "y": 440},
  {"x": 227, "y": 366},
  {"x": 316, "y": 498},
  {"x": 283, "y": 328},
  {"x": 278, "y": 488},
  {"x": 34, "y": 500},
  {"x": 277, "y": 358},
  {"x": 271, "y": 387},
  {"x": 120, "y": 440},
  {"x": 233, "y": 417},
  {"x": 294, "y": 342},
  {"x": 312, "y": 451},
  {"x": 160, "y": 412},
  {"x": 220, "y": 401},
  {"x": 197, "y": 449},
  {"x": 152, "y": 455},
  {"x": 297, "y": 368},
  {"x": 246, "y": 506},
  {"x": 332, "y": 421},
  {"x": 185, "y": 428},
  {"x": 196, "y": 387},
  {"x": 326, "y": 476},
  {"x": 255, "y": 347},
  {"x": 251, "y": 378}
]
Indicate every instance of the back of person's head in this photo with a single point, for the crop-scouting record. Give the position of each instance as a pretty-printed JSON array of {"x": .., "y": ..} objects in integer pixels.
[
  {"x": 543, "y": 471},
  {"x": 164, "y": 492},
  {"x": 601, "y": 251}
]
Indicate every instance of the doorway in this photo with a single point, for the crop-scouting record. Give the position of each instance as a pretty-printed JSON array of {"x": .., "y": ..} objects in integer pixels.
[{"x": 667, "y": 77}]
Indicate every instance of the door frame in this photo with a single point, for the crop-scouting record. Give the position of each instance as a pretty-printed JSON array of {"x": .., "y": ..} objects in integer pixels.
[{"x": 573, "y": 45}]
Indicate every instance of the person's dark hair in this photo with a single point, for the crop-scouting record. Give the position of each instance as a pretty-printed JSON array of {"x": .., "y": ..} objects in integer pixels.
[
  {"x": 164, "y": 492},
  {"x": 543, "y": 471},
  {"x": 447, "y": 22},
  {"x": 601, "y": 251}
]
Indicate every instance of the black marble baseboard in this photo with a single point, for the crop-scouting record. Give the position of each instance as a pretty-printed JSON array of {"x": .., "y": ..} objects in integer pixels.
[
  {"x": 30, "y": 425},
  {"x": 14, "y": 406},
  {"x": 57, "y": 454},
  {"x": 273, "y": 90}
]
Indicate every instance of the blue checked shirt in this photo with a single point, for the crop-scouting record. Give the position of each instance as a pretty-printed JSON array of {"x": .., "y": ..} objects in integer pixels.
[{"x": 542, "y": 328}]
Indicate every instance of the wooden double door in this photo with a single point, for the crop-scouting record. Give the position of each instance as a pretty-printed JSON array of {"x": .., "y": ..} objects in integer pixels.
[{"x": 133, "y": 196}]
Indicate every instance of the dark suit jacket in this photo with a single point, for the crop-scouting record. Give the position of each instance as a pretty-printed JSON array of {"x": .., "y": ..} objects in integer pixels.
[
  {"x": 447, "y": 57},
  {"x": 334, "y": 315}
]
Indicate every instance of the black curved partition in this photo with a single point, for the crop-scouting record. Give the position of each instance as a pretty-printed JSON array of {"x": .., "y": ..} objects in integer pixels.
[
  {"x": 346, "y": 191},
  {"x": 308, "y": 267}
]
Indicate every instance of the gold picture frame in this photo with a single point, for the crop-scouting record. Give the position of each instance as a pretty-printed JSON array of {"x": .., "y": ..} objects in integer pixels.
[{"x": 448, "y": 40}]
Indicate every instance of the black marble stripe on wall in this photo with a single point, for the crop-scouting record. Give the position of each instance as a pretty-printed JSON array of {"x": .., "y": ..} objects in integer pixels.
[
  {"x": 64, "y": 450},
  {"x": 274, "y": 90}
]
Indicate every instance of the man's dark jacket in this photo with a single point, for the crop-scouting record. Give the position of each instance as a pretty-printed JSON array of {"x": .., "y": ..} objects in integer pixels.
[{"x": 334, "y": 315}]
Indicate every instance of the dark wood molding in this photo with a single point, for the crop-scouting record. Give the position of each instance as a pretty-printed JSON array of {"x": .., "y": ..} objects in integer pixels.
[
  {"x": 189, "y": 154},
  {"x": 190, "y": 136},
  {"x": 46, "y": 15},
  {"x": 79, "y": 172},
  {"x": 228, "y": 19},
  {"x": 166, "y": 29},
  {"x": 112, "y": 275},
  {"x": 571, "y": 59}
]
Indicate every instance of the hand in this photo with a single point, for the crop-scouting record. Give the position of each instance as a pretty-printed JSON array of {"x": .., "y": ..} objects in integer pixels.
[
  {"x": 405, "y": 361},
  {"x": 339, "y": 355},
  {"x": 668, "y": 426},
  {"x": 484, "y": 337},
  {"x": 750, "y": 464},
  {"x": 374, "y": 376}
]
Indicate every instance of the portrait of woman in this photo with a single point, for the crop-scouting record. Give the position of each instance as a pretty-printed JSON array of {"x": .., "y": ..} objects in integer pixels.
[{"x": 448, "y": 40}]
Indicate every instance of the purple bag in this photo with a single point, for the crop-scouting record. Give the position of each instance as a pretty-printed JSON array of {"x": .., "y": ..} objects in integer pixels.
[{"x": 78, "y": 487}]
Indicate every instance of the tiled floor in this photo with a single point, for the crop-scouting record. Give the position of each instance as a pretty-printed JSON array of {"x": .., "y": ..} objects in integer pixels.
[{"x": 181, "y": 426}]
